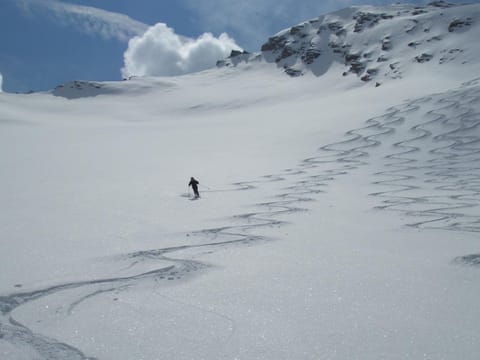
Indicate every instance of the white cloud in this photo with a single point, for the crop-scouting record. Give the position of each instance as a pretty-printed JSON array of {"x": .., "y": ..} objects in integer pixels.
[
  {"x": 1, "y": 83},
  {"x": 90, "y": 20},
  {"x": 161, "y": 52}
]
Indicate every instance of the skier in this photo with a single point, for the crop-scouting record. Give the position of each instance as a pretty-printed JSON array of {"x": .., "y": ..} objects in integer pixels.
[{"x": 194, "y": 184}]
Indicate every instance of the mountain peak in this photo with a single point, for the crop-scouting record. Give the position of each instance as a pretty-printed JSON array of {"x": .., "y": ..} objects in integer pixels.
[{"x": 374, "y": 43}]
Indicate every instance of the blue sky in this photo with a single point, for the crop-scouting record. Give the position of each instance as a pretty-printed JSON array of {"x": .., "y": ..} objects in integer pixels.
[{"x": 44, "y": 43}]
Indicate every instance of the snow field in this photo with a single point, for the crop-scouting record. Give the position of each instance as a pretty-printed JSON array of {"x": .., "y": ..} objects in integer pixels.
[{"x": 290, "y": 254}]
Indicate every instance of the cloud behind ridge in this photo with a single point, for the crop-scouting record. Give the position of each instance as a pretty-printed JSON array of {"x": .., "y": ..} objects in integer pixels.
[{"x": 162, "y": 52}]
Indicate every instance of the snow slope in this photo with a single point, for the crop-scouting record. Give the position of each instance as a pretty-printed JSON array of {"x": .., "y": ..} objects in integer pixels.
[{"x": 338, "y": 220}]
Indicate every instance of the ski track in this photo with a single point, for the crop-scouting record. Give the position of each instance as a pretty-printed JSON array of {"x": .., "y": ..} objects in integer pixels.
[{"x": 448, "y": 171}]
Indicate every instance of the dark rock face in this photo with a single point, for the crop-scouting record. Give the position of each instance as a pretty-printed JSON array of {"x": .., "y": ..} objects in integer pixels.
[
  {"x": 235, "y": 57},
  {"x": 287, "y": 51},
  {"x": 357, "y": 66},
  {"x": 349, "y": 58},
  {"x": 238, "y": 52},
  {"x": 366, "y": 78},
  {"x": 370, "y": 73},
  {"x": 458, "y": 24},
  {"x": 423, "y": 58},
  {"x": 293, "y": 72},
  {"x": 298, "y": 31},
  {"x": 287, "y": 45},
  {"x": 441, "y": 4},
  {"x": 339, "y": 48},
  {"x": 275, "y": 43},
  {"x": 80, "y": 85},
  {"x": 335, "y": 27},
  {"x": 419, "y": 11},
  {"x": 296, "y": 43},
  {"x": 365, "y": 20},
  {"x": 310, "y": 55}
]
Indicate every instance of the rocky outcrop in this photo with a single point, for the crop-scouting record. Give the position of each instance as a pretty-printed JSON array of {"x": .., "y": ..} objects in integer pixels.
[
  {"x": 458, "y": 24},
  {"x": 441, "y": 4},
  {"x": 236, "y": 56},
  {"x": 368, "y": 19},
  {"x": 423, "y": 58},
  {"x": 275, "y": 43},
  {"x": 372, "y": 43},
  {"x": 309, "y": 56}
]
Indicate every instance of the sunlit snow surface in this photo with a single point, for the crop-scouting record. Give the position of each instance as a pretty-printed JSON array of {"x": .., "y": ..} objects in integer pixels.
[{"x": 338, "y": 220}]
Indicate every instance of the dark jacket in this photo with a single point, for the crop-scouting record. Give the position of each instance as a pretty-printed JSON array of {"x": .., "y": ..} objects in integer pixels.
[{"x": 193, "y": 183}]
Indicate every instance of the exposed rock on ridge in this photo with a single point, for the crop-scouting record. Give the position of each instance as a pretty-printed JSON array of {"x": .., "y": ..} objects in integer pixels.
[{"x": 370, "y": 42}]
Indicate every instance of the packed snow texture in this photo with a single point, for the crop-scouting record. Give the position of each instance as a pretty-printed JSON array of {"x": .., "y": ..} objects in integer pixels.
[{"x": 337, "y": 219}]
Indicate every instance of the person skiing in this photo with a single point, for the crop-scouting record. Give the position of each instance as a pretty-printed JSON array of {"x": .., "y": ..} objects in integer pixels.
[{"x": 194, "y": 184}]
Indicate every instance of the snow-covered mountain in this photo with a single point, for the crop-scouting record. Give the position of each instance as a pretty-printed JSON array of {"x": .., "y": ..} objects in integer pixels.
[
  {"x": 374, "y": 43},
  {"x": 337, "y": 219}
]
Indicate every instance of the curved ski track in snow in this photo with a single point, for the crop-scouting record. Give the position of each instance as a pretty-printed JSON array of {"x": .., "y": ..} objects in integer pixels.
[
  {"x": 449, "y": 173},
  {"x": 430, "y": 172}
]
